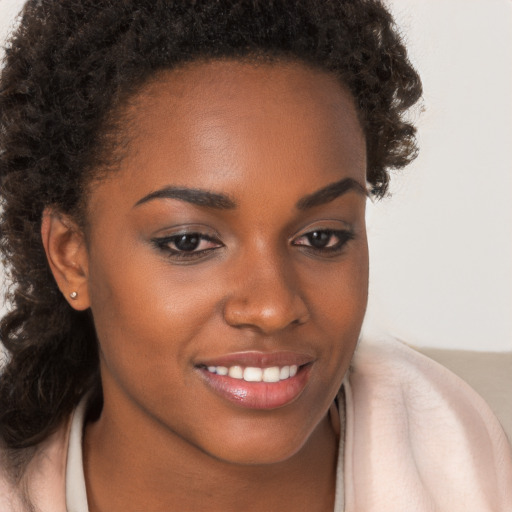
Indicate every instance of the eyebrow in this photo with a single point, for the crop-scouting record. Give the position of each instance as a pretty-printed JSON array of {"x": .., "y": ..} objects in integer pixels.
[
  {"x": 191, "y": 195},
  {"x": 330, "y": 193},
  {"x": 217, "y": 201}
]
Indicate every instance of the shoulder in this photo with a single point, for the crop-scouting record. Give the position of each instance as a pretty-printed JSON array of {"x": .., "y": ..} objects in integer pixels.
[
  {"x": 419, "y": 437},
  {"x": 41, "y": 484},
  {"x": 406, "y": 379}
]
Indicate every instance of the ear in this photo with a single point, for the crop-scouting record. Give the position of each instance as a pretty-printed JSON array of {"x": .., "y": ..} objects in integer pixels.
[{"x": 66, "y": 251}]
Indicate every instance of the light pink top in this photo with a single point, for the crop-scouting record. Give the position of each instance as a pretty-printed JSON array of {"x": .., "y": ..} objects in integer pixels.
[{"x": 417, "y": 438}]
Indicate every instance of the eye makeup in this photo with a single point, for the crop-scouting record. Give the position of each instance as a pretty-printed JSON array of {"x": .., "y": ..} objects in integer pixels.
[
  {"x": 324, "y": 242},
  {"x": 189, "y": 245},
  {"x": 194, "y": 245}
]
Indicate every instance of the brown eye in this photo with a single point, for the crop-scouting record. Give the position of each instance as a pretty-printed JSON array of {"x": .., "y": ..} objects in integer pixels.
[
  {"x": 187, "y": 245},
  {"x": 319, "y": 239},
  {"x": 187, "y": 242},
  {"x": 324, "y": 241}
]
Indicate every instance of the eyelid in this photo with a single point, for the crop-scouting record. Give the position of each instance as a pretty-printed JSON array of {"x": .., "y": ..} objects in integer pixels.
[
  {"x": 323, "y": 225},
  {"x": 164, "y": 239},
  {"x": 344, "y": 235},
  {"x": 186, "y": 229},
  {"x": 337, "y": 232}
]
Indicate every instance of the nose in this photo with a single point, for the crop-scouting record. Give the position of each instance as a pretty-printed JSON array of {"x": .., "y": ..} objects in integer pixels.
[{"x": 265, "y": 296}]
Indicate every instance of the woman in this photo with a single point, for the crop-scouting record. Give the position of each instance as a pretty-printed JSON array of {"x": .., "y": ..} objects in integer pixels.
[{"x": 184, "y": 189}]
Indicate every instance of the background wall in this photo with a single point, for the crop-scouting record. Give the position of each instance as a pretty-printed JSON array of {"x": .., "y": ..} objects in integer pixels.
[{"x": 441, "y": 247}]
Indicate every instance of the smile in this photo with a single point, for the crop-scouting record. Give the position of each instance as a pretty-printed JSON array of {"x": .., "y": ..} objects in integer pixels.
[
  {"x": 256, "y": 374},
  {"x": 257, "y": 380}
]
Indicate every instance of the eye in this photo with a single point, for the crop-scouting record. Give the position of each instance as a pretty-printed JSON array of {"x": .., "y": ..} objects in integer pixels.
[
  {"x": 187, "y": 245},
  {"x": 325, "y": 241}
]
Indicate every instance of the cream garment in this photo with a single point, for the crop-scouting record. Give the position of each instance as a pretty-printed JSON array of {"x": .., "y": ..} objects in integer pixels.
[
  {"x": 417, "y": 438},
  {"x": 76, "y": 494}
]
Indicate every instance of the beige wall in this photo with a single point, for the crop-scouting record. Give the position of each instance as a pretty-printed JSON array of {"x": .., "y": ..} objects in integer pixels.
[{"x": 441, "y": 247}]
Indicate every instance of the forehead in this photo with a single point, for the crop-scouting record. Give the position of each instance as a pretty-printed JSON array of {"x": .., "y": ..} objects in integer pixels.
[
  {"x": 220, "y": 125},
  {"x": 244, "y": 87}
]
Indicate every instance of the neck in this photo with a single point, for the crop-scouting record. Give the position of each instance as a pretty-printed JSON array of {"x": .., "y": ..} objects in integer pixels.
[{"x": 133, "y": 467}]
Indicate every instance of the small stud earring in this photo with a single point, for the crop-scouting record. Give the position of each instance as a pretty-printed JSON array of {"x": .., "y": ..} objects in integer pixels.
[{"x": 73, "y": 295}]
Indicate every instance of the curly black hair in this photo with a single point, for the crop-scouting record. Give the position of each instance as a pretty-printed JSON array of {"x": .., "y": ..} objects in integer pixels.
[{"x": 68, "y": 68}]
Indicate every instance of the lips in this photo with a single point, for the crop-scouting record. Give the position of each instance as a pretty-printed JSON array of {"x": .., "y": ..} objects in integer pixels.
[{"x": 257, "y": 380}]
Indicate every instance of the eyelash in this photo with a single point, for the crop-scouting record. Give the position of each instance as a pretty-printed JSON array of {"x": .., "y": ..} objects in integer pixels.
[
  {"x": 343, "y": 236},
  {"x": 164, "y": 244}
]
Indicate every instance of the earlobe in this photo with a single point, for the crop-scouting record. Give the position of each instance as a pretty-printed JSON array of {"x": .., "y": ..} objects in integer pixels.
[{"x": 64, "y": 244}]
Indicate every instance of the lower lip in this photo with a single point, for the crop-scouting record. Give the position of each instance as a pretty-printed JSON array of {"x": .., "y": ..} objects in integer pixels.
[{"x": 258, "y": 395}]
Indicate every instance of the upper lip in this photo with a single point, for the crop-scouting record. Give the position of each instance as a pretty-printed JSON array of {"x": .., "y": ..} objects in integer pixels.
[{"x": 258, "y": 359}]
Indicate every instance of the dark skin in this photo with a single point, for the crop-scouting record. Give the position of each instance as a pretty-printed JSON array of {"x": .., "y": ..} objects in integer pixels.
[{"x": 279, "y": 264}]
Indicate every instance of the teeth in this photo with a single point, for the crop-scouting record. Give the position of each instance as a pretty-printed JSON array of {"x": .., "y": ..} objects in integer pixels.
[
  {"x": 236, "y": 372},
  {"x": 284, "y": 373},
  {"x": 271, "y": 374},
  {"x": 255, "y": 374}
]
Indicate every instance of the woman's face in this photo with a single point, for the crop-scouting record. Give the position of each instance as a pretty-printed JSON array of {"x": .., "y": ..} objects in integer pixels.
[{"x": 232, "y": 240}]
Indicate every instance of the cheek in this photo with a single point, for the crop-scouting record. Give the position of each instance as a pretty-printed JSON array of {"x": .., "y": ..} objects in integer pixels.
[
  {"x": 338, "y": 306},
  {"x": 337, "y": 296},
  {"x": 149, "y": 322},
  {"x": 142, "y": 312}
]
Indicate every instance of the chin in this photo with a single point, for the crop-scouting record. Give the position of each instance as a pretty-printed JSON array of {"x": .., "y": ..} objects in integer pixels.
[
  {"x": 256, "y": 444},
  {"x": 256, "y": 455}
]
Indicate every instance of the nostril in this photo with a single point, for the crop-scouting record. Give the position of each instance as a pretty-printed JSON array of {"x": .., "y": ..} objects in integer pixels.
[
  {"x": 300, "y": 321},
  {"x": 265, "y": 314}
]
